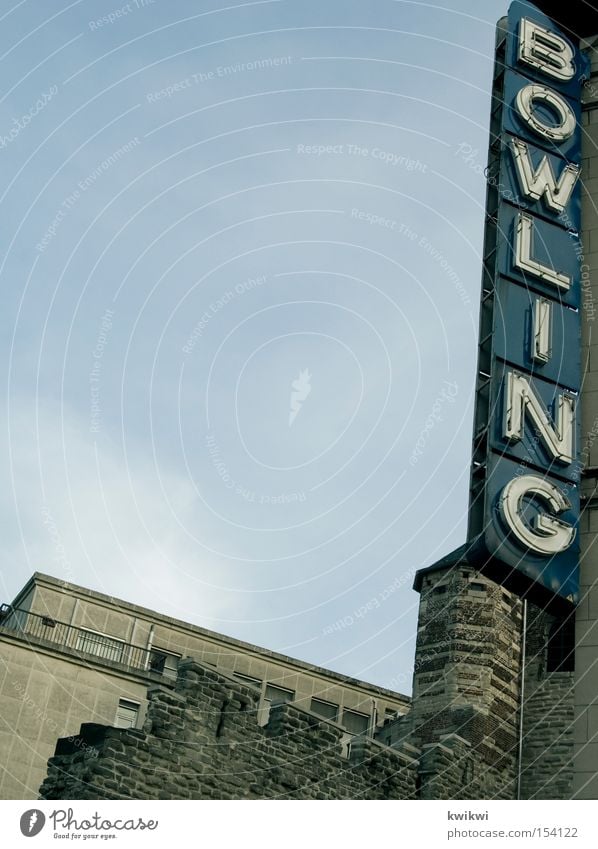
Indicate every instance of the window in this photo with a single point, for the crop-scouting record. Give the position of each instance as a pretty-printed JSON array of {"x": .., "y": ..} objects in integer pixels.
[
  {"x": 246, "y": 679},
  {"x": 278, "y": 694},
  {"x": 477, "y": 588},
  {"x": 127, "y": 714},
  {"x": 164, "y": 663},
  {"x": 100, "y": 645},
  {"x": 354, "y": 722},
  {"x": 326, "y": 709},
  {"x": 560, "y": 656}
]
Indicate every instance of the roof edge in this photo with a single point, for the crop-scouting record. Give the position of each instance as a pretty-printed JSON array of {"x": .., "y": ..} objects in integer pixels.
[
  {"x": 471, "y": 553},
  {"x": 41, "y": 578}
]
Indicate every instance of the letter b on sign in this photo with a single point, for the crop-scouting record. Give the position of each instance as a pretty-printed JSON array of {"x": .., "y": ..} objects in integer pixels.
[{"x": 546, "y": 51}]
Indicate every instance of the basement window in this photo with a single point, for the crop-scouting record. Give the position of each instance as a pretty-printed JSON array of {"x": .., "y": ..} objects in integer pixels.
[{"x": 127, "y": 714}]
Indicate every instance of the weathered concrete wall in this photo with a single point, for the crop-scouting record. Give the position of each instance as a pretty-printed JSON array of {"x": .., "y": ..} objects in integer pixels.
[
  {"x": 84, "y": 608},
  {"x": 203, "y": 741},
  {"x": 44, "y": 696}
]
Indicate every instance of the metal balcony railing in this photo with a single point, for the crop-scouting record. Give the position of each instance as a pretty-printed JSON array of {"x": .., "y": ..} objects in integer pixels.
[{"x": 35, "y": 627}]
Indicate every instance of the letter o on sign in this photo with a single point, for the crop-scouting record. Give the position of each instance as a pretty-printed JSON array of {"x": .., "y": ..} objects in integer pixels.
[
  {"x": 566, "y": 123},
  {"x": 549, "y": 535}
]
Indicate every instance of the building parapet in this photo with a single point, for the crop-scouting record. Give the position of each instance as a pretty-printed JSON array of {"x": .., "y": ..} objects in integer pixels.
[{"x": 42, "y": 630}]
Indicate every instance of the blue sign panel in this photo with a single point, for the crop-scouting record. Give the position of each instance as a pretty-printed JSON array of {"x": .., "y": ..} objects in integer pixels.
[
  {"x": 514, "y": 337},
  {"x": 529, "y": 447},
  {"x": 551, "y": 113},
  {"x": 515, "y": 44},
  {"x": 508, "y": 182},
  {"x": 525, "y": 474},
  {"x": 550, "y": 247}
]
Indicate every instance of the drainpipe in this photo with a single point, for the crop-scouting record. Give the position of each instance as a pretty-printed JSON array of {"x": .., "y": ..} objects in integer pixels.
[
  {"x": 521, "y": 696},
  {"x": 373, "y": 718},
  {"x": 72, "y": 630},
  {"x": 150, "y": 642}
]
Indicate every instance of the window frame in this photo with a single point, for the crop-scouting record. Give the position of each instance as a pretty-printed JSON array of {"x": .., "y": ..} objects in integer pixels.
[
  {"x": 168, "y": 654},
  {"x": 292, "y": 693},
  {"x": 561, "y": 645},
  {"x": 328, "y": 704},
  {"x": 122, "y": 702},
  {"x": 248, "y": 680},
  {"x": 365, "y": 716}
]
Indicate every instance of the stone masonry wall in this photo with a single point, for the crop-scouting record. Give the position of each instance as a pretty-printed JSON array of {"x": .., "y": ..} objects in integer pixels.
[
  {"x": 466, "y": 679},
  {"x": 467, "y": 705},
  {"x": 548, "y": 718},
  {"x": 203, "y": 741},
  {"x": 447, "y": 770}
]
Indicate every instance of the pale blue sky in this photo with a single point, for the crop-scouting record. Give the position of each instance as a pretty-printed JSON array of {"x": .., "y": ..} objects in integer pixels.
[{"x": 201, "y": 201}]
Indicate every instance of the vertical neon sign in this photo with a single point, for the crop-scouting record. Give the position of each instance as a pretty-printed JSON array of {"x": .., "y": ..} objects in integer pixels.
[{"x": 525, "y": 474}]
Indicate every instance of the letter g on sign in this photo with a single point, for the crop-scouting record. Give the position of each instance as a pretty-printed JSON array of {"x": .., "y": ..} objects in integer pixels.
[{"x": 547, "y": 534}]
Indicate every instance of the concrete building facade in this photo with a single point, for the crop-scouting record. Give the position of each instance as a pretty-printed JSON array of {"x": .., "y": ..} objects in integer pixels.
[{"x": 69, "y": 656}]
